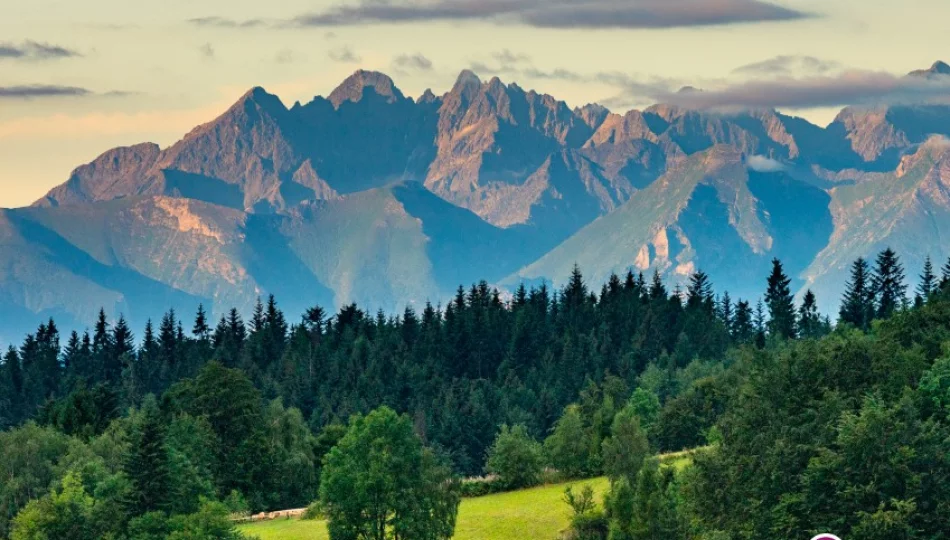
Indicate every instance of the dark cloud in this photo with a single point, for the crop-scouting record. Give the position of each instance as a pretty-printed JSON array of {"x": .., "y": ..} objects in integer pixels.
[
  {"x": 847, "y": 88},
  {"x": 224, "y": 22},
  {"x": 42, "y": 91},
  {"x": 789, "y": 65},
  {"x": 413, "y": 61},
  {"x": 344, "y": 55},
  {"x": 33, "y": 50},
  {"x": 557, "y": 13}
]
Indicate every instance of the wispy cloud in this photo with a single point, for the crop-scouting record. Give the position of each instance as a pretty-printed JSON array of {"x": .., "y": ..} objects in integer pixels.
[
  {"x": 557, "y": 13},
  {"x": 225, "y": 22},
  {"x": 345, "y": 55},
  {"x": 33, "y": 50},
  {"x": 789, "y": 65},
  {"x": 507, "y": 57},
  {"x": 631, "y": 89},
  {"x": 33, "y": 91},
  {"x": 416, "y": 62},
  {"x": 847, "y": 88},
  {"x": 285, "y": 56},
  {"x": 207, "y": 50}
]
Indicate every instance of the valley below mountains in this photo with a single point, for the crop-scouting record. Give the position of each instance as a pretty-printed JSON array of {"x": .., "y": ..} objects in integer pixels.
[{"x": 368, "y": 196}]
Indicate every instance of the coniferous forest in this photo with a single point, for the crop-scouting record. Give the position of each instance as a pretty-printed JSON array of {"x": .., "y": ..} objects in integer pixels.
[{"x": 800, "y": 423}]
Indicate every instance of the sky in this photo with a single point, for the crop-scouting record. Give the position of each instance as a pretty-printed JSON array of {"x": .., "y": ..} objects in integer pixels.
[{"x": 80, "y": 77}]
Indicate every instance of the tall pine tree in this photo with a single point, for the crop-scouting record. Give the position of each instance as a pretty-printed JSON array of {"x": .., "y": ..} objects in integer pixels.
[
  {"x": 888, "y": 283},
  {"x": 857, "y": 305},
  {"x": 147, "y": 464},
  {"x": 928, "y": 283},
  {"x": 781, "y": 305},
  {"x": 810, "y": 324}
]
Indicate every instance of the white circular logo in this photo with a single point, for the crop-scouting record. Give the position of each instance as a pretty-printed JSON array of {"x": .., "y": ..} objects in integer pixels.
[{"x": 826, "y": 536}]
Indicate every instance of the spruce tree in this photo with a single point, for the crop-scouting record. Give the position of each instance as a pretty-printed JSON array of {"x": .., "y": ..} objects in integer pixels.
[
  {"x": 150, "y": 361},
  {"x": 781, "y": 305},
  {"x": 13, "y": 373},
  {"x": 743, "y": 325},
  {"x": 101, "y": 346},
  {"x": 888, "y": 283},
  {"x": 928, "y": 283},
  {"x": 201, "y": 330},
  {"x": 168, "y": 347},
  {"x": 726, "y": 311},
  {"x": 699, "y": 295},
  {"x": 123, "y": 344},
  {"x": 147, "y": 464},
  {"x": 810, "y": 324},
  {"x": 945, "y": 275},
  {"x": 657, "y": 289},
  {"x": 71, "y": 355},
  {"x": 857, "y": 305}
]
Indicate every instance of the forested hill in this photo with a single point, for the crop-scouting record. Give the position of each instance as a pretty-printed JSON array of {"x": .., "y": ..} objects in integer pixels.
[{"x": 185, "y": 412}]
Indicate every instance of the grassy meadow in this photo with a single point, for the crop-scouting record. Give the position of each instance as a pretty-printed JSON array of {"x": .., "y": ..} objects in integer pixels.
[{"x": 530, "y": 513}]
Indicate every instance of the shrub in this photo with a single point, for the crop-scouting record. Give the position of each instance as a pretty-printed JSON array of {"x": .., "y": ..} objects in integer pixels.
[{"x": 515, "y": 457}]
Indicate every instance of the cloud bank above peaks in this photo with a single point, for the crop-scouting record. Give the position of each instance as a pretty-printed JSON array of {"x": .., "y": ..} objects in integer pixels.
[
  {"x": 863, "y": 88},
  {"x": 561, "y": 14}
]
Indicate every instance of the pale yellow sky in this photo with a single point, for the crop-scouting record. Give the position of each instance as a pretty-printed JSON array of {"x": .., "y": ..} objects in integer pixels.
[{"x": 172, "y": 74}]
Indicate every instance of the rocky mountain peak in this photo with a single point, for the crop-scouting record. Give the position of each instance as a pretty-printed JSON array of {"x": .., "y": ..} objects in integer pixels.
[
  {"x": 592, "y": 114},
  {"x": 939, "y": 68},
  {"x": 467, "y": 83},
  {"x": 260, "y": 98},
  {"x": 427, "y": 97},
  {"x": 356, "y": 85}
]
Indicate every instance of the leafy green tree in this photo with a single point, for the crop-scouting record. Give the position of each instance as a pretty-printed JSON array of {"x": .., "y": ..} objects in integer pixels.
[
  {"x": 292, "y": 479},
  {"x": 380, "y": 483},
  {"x": 65, "y": 514},
  {"x": 627, "y": 448},
  {"x": 781, "y": 305},
  {"x": 569, "y": 447},
  {"x": 29, "y": 464},
  {"x": 515, "y": 457},
  {"x": 646, "y": 405},
  {"x": 232, "y": 406}
]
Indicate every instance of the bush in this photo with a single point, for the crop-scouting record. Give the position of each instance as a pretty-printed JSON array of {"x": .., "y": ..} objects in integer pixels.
[
  {"x": 590, "y": 526},
  {"x": 587, "y": 521},
  {"x": 516, "y": 458},
  {"x": 569, "y": 447},
  {"x": 479, "y": 487},
  {"x": 314, "y": 511}
]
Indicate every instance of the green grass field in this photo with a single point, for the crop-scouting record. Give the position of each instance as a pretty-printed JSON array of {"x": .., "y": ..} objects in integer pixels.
[{"x": 532, "y": 513}]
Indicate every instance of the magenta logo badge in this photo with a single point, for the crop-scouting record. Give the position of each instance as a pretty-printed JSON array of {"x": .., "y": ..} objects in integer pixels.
[{"x": 826, "y": 536}]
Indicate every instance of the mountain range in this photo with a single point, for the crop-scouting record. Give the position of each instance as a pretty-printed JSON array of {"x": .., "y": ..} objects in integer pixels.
[{"x": 372, "y": 197}]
